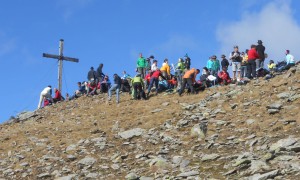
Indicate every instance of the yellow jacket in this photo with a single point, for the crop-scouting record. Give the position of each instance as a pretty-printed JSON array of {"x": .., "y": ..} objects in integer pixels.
[
  {"x": 166, "y": 68},
  {"x": 272, "y": 66}
]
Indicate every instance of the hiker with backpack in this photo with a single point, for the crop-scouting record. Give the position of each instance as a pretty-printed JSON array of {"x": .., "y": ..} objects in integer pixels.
[
  {"x": 180, "y": 68},
  {"x": 224, "y": 62},
  {"x": 187, "y": 62},
  {"x": 138, "y": 87}
]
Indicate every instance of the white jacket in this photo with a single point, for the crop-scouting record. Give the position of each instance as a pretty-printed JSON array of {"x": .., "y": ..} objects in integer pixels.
[{"x": 47, "y": 90}]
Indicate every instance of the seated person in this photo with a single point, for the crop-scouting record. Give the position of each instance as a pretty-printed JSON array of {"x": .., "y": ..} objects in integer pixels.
[
  {"x": 57, "y": 96},
  {"x": 272, "y": 66},
  {"x": 204, "y": 78},
  {"x": 105, "y": 84},
  {"x": 162, "y": 84},
  {"x": 47, "y": 102},
  {"x": 92, "y": 88},
  {"x": 223, "y": 77},
  {"x": 172, "y": 82}
]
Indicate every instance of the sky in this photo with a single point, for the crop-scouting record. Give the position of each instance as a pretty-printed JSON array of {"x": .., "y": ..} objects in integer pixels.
[{"x": 115, "y": 32}]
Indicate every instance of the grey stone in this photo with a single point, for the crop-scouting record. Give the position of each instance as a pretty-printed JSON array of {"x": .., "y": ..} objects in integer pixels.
[
  {"x": 209, "y": 157},
  {"x": 92, "y": 175},
  {"x": 156, "y": 110},
  {"x": 188, "y": 174},
  {"x": 283, "y": 143},
  {"x": 283, "y": 95},
  {"x": 87, "y": 161},
  {"x": 165, "y": 104},
  {"x": 276, "y": 105},
  {"x": 258, "y": 166},
  {"x": 132, "y": 176},
  {"x": 69, "y": 177},
  {"x": 250, "y": 121},
  {"x": 131, "y": 133},
  {"x": 177, "y": 159},
  {"x": 273, "y": 111},
  {"x": 199, "y": 130},
  {"x": 44, "y": 175},
  {"x": 71, "y": 147},
  {"x": 26, "y": 115},
  {"x": 146, "y": 178},
  {"x": 265, "y": 176}
]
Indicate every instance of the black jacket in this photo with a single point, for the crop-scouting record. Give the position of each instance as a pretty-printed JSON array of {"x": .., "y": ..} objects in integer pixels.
[
  {"x": 224, "y": 63},
  {"x": 91, "y": 75},
  {"x": 261, "y": 51}
]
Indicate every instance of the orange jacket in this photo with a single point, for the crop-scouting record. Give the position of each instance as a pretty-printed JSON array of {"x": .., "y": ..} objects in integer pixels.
[{"x": 191, "y": 74}]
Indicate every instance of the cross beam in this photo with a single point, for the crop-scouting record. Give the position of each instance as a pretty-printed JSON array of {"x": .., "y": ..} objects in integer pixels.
[{"x": 60, "y": 59}]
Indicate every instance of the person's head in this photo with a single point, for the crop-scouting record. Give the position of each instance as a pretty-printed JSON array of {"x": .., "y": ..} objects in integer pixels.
[
  {"x": 149, "y": 72},
  {"x": 259, "y": 42},
  {"x": 154, "y": 61},
  {"x": 166, "y": 61},
  {"x": 124, "y": 72},
  {"x": 197, "y": 71},
  {"x": 246, "y": 51},
  {"x": 101, "y": 65},
  {"x": 115, "y": 75},
  {"x": 236, "y": 48},
  {"x": 92, "y": 68},
  {"x": 151, "y": 57},
  {"x": 79, "y": 83},
  {"x": 253, "y": 46},
  {"x": 223, "y": 56},
  {"x": 214, "y": 57},
  {"x": 287, "y": 52},
  {"x": 180, "y": 60},
  {"x": 271, "y": 62},
  {"x": 106, "y": 77},
  {"x": 49, "y": 86},
  {"x": 205, "y": 70},
  {"x": 141, "y": 55},
  {"x": 243, "y": 53}
]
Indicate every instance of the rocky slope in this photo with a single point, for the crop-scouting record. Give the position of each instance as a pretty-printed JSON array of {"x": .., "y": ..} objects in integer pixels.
[{"x": 232, "y": 132}]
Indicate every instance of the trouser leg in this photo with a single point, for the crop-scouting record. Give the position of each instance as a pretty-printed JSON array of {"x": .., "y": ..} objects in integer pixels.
[{"x": 190, "y": 83}]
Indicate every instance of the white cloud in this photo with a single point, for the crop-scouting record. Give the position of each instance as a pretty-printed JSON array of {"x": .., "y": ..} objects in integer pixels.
[
  {"x": 71, "y": 6},
  {"x": 274, "y": 24},
  {"x": 177, "y": 45}
]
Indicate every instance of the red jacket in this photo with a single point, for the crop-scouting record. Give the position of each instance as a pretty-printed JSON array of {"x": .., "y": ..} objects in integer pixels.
[
  {"x": 156, "y": 74},
  {"x": 252, "y": 54},
  {"x": 147, "y": 77},
  {"x": 57, "y": 95}
]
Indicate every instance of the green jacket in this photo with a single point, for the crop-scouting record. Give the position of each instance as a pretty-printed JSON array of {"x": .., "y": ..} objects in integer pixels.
[
  {"x": 137, "y": 79},
  {"x": 180, "y": 66},
  {"x": 141, "y": 63}
]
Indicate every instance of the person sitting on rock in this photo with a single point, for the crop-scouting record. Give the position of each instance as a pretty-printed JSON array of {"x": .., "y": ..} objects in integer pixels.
[
  {"x": 57, "y": 96},
  {"x": 189, "y": 79},
  {"x": 172, "y": 83},
  {"x": 105, "y": 84},
  {"x": 92, "y": 88},
  {"x": 205, "y": 82},
  {"x": 223, "y": 77},
  {"x": 138, "y": 85}
]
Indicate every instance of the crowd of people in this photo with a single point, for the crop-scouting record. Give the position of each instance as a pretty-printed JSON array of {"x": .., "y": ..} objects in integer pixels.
[{"x": 152, "y": 79}]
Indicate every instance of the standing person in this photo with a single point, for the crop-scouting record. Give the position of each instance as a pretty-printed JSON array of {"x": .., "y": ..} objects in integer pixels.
[
  {"x": 215, "y": 66},
  {"x": 148, "y": 63},
  {"x": 154, "y": 66},
  {"x": 261, "y": 52},
  {"x": 187, "y": 61},
  {"x": 188, "y": 79},
  {"x": 252, "y": 56},
  {"x": 165, "y": 69},
  {"x": 46, "y": 93},
  {"x": 154, "y": 80},
  {"x": 180, "y": 70},
  {"x": 138, "y": 87},
  {"x": 99, "y": 73},
  {"x": 141, "y": 65},
  {"x": 235, "y": 57},
  {"x": 224, "y": 62},
  {"x": 116, "y": 86},
  {"x": 244, "y": 64},
  {"x": 91, "y": 74}
]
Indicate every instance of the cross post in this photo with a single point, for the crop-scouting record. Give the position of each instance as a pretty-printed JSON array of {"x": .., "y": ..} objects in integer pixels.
[{"x": 60, "y": 59}]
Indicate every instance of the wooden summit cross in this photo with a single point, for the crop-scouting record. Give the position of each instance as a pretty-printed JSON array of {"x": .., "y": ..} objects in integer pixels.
[{"x": 60, "y": 59}]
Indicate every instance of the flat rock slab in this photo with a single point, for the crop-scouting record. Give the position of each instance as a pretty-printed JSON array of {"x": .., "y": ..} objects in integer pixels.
[
  {"x": 131, "y": 133},
  {"x": 188, "y": 174}
]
